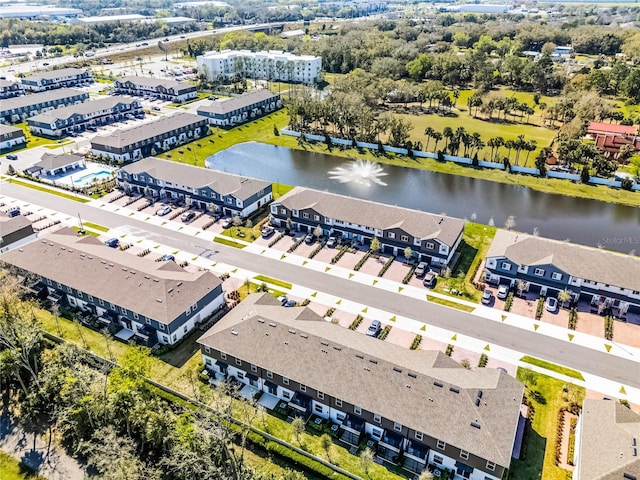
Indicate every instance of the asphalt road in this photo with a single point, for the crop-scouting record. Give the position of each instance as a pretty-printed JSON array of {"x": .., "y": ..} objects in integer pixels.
[{"x": 530, "y": 343}]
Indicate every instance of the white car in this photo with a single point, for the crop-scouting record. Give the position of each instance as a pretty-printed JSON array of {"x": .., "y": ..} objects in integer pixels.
[
  {"x": 551, "y": 304},
  {"x": 163, "y": 211},
  {"x": 503, "y": 291}
]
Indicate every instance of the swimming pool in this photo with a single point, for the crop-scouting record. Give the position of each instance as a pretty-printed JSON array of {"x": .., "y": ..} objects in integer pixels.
[{"x": 90, "y": 177}]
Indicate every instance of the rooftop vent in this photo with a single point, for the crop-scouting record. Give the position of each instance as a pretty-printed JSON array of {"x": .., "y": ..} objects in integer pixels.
[
  {"x": 293, "y": 332},
  {"x": 271, "y": 324},
  {"x": 179, "y": 284},
  {"x": 326, "y": 344},
  {"x": 89, "y": 257},
  {"x": 170, "y": 290},
  {"x": 124, "y": 269},
  {"x": 396, "y": 369},
  {"x": 438, "y": 384},
  {"x": 103, "y": 262},
  {"x": 286, "y": 343},
  {"x": 62, "y": 248},
  {"x": 82, "y": 254},
  {"x": 304, "y": 335},
  {"x": 412, "y": 375},
  {"x": 234, "y": 332},
  {"x": 147, "y": 277},
  {"x": 454, "y": 390},
  {"x": 159, "y": 300},
  {"x": 324, "y": 351},
  {"x": 375, "y": 362},
  {"x": 70, "y": 251},
  {"x": 337, "y": 348},
  {"x": 477, "y": 402},
  {"x": 408, "y": 386},
  {"x": 261, "y": 320},
  {"x": 111, "y": 265},
  {"x": 367, "y": 369},
  {"x": 475, "y": 425},
  {"x": 479, "y": 394},
  {"x": 361, "y": 357}
]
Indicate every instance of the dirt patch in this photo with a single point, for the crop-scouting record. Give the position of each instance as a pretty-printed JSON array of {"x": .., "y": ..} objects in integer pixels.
[
  {"x": 373, "y": 265},
  {"x": 349, "y": 260},
  {"x": 397, "y": 271},
  {"x": 400, "y": 337}
]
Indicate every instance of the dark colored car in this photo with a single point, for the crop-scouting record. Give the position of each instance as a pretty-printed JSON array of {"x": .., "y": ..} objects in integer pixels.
[
  {"x": 188, "y": 216},
  {"x": 290, "y": 303},
  {"x": 429, "y": 279},
  {"x": 14, "y": 212},
  {"x": 12, "y": 157},
  {"x": 168, "y": 257},
  {"x": 112, "y": 242}
]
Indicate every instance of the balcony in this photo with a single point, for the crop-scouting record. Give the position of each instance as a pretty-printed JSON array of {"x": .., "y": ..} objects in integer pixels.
[
  {"x": 300, "y": 403},
  {"x": 352, "y": 428}
]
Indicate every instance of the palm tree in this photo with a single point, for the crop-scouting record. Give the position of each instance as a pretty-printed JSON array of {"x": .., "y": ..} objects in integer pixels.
[
  {"x": 448, "y": 135},
  {"x": 499, "y": 141},
  {"x": 564, "y": 296},
  {"x": 437, "y": 136},
  {"x": 429, "y": 131},
  {"x": 531, "y": 146},
  {"x": 509, "y": 144}
]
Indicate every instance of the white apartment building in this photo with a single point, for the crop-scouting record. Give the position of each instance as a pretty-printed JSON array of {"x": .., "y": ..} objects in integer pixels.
[{"x": 265, "y": 65}]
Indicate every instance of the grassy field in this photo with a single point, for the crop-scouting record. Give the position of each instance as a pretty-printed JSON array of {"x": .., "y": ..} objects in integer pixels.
[
  {"x": 450, "y": 303},
  {"x": 32, "y": 141},
  {"x": 68, "y": 196},
  {"x": 12, "y": 469},
  {"x": 547, "y": 399},
  {"x": 552, "y": 367},
  {"x": 273, "y": 281}
]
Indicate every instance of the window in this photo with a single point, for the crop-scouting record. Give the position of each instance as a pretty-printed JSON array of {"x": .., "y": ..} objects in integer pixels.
[
  {"x": 113, "y": 307},
  {"x": 269, "y": 374},
  {"x": 283, "y": 211},
  {"x": 238, "y": 362},
  {"x": 285, "y": 380},
  {"x": 391, "y": 235},
  {"x": 136, "y": 316},
  {"x": 49, "y": 281},
  {"x": 338, "y": 402},
  {"x": 404, "y": 238},
  {"x": 305, "y": 215},
  {"x": 123, "y": 310},
  {"x": 377, "y": 418},
  {"x": 80, "y": 294},
  {"x": 464, "y": 454},
  {"x": 90, "y": 298},
  {"x": 318, "y": 408},
  {"x": 357, "y": 410},
  {"x": 340, "y": 416},
  {"x": 491, "y": 466},
  {"x": 286, "y": 395},
  {"x": 441, "y": 445},
  {"x": 303, "y": 388},
  {"x": 316, "y": 218},
  {"x": 207, "y": 349},
  {"x": 148, "y": 320},
  {"x": 430, "y": 246},
  {"x": 419, "y": 435},
  {"x": 505, "y": 266},
  {"x": 208, "y": 361},
  {"x": 240, "y": 375},
  {"x": 321, "y": 395},
  {"x": 438, "y": 459},
  {"x": 539, "y": 272},
  {"x": 161, "y": 326},
  {"x": 188, "y": 312},
  {"x": 556, "y": 276},
  {"x": 397, "y": 426},
  {"x": 185, "y": 329},
  {"x": 254, "y": 368},
  {"x": 223, "y": 355},
  {"x": 69, "y": 290}
]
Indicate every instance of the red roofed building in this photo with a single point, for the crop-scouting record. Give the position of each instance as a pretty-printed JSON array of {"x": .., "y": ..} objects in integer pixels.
[{"x": 611, "y": 137}]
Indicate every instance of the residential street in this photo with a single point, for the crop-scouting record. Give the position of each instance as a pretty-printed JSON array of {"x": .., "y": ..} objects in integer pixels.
[{"x": 558, "y": 351}]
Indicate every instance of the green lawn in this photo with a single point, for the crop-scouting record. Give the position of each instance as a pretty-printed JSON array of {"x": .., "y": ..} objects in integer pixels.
[
  {"x": 273, "y": 281},
  {"x": 68, "y": 196},
  {"x": 539, "y": 458},
  {"x": 95, "y": 226},
  {"x": 450, "y": 303},
  {"x": 552, "y": 367},
  {"x": 229, "y": 242},
  {"x": 12, "y": 469},
  {"x": 32, "y": 141}
]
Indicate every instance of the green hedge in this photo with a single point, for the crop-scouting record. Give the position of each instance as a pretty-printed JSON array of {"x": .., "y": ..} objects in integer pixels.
[
  {"x": 356, "y": 323},
  {"x": 416, "y": 342}
]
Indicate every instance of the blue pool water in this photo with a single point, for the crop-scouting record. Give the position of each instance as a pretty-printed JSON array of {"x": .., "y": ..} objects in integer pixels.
[{"x": 89, "y": 177}]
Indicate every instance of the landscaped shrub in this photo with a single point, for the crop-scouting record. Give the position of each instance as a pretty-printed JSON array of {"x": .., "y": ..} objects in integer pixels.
[
  {"x": 573, "y": 318},
  {"x": 407, "y": 277},
  {"x": 508, "y": 302},
  {"x": 276, "y": 239},
  {"x": 356, "y": 322},
  {"x": 305, "y": 302},
  {"x": 330, "y": 312},
  {"x": 224, "y": 276},
  {"x": 386, "y": 266},
  {"x": 385, "y": 332},
  {"x": 144, "y": 252},
  {"x": 484, "y": 359},
  {"x": 344, "y": 249},
  {"x": 449, "y": 351},
  {"x": 296, "y": 244},
  {"x": 416, "y": 342},
  {"x": 608, "y": 327},
  {"x": 540, "y": 308},
  {"x": 360, "y": 263},
  {"x": 316, "y": 250}
]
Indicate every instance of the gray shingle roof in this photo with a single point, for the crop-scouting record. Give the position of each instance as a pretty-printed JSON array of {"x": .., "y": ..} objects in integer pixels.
[
  {"x": 576, "y": 260},
  {"x": 196, "y": 177},
  {"x": 376, "y": 215},
  {"x": 241, "y": 101},
  {"x": 158, "y": 290},
  {"x": 53, "y": 74},
  {"x": 155, "y": 82},
  {"x": 7, "y": 83},
  {"x": 10, "y": 225},
  {"x": 82, "y": 108},
  {"x": 139, "y": 133},
  {"x": 50, "y": 161},
  {"x": 41, "y": 97},
  {"x": 5, "y": 129},
  {"x": 293, "y": 348},
  {"x": 609, "y": 435}
]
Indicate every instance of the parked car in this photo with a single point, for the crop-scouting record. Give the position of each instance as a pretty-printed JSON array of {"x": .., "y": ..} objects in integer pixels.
[
  {"x": 374, "y": 328},
  {"x": 309, "y": 239},
  {"x": 290, "y": 303},
  {"x": 112, "y": 242},
  {"x": 213, "y": 97},
  {"x": 163, "y": 211},
  {"x": 168, "y": 257},
  {"x": 14, "y": 212},
  {"x": 551, "y": 304},
  {"x": 422, "y": 269},
  {"x": 12, "y": 157},
  {"x": 282, "y": 299},
  {"x": 486, "y": 297},
  {"x": 503, "y": 291},
  {"x": 156, "y": 108},
  {"x": 267, "y": 231},
  {"x": 188, "y": 216},
  {"x": 227, "y": 223},
  {"x": 429, "y": 279},
  {"x": 332, "y": 242}
]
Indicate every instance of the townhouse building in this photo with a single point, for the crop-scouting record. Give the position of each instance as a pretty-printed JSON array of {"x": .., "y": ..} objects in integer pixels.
[
  {"x": 242, "y": 108},
  {"x": 265, "y": 65},
  {"x": 607, "y": 442},
  {"x": 77, "y": 118},
  {"x": 150, "y": 138},
  {"x": 11, "y": 136},
  {"x": 63, "y": 78},
  {"x": 135, "y": 297},
  {"x": 18, "y": 109},
  {"x": 203, "y": 188},
  {"x": 433, "y": 238},
  {"x": 160, "y": 88},
  {"x": 9, "y": 89},
  {"x": 609, "y": 281},
  {"x": 415, "y": 408},
  {"x": 15, "y": 231}
]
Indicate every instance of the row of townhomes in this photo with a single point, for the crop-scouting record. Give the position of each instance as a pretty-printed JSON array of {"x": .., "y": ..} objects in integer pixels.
[
  {"x": 18, "y": 109},
  {"x": 242, "y": 108},
  {"x": 266, "y": 65},
  {"x": 150, "y": 138},
  {"x": 433, "y": 238},
  {"x": 15, "y": 231},
  {"x": 11, "y": 136},
  {"x": 160, "y": 88},
  {"x": 10, "y": 89},
  {"x": 608, "y": 281},
  {"x": 420, "y": 407},
  {"x": 155, "y": 302},
  {"x": 212, "y": 190},
  {"x": 63, "y": 78},
  {"x": 76, "y": 118},
  {"x": 607, "y": 442}
]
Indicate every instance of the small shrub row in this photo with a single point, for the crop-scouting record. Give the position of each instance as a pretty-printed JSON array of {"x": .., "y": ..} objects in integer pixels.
[
  {"x": 356, "y": 322},
  {"x": 449, "y": 351},
  {"x": 608, "y": 327},
  {"x": 144, "y": 252},
  {"x": 344, "y": 249},
  {"x": 386, "y": 266},
  {"x": 296, "y": 244},
  {"x": 124, "y": 246},
  {"x": 183, "y": 264},
  {"x": 330, "y": 312},
  {"x": 508, "y": 302},
  {"x": 385, "y": 332},
  {"x": 484, "y": 359},
  {"x": 131, "y": 200},
  {"x": 409, "y": 275},
  {"x": 224, "y": 276},
  {"x": 143, "y": 206},
  {"x": 177, "y": 212},
  {"x": 416, "y": 342},
  {"x": 276, "y": 239},
  {"x": 540, "y": 308},
  {"x": 208, "y": 224},
  {"x": 360, "y": 263},
  {"x": 316, "y": 250},
  {"x": 234, "y": 295},
  {"x": 305, "y": 302},
  {"x": 573, "y": 318}
]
